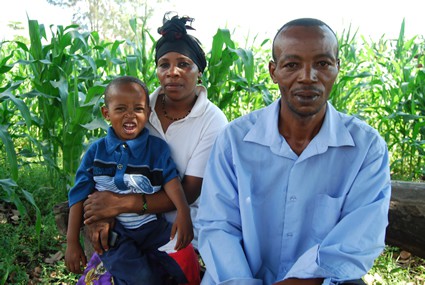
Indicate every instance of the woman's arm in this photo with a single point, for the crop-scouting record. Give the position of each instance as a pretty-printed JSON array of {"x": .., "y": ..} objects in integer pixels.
[{"x": 102, "y": 205}]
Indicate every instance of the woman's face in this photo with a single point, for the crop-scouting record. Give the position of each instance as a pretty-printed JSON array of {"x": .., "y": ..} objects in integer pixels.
[{"x": 178, "y": 75}]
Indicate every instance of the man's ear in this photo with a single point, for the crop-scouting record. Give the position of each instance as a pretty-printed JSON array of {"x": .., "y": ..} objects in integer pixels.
[
  {"x": 272, "y": 68},
  {"x": 105, "y": 112}
]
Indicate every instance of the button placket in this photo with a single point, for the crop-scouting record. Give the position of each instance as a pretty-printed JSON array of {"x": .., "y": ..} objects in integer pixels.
[{"x": 121, "y": 167}]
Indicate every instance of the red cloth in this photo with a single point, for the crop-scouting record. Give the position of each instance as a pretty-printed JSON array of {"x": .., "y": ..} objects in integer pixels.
[{"x": 189, "y": 263}]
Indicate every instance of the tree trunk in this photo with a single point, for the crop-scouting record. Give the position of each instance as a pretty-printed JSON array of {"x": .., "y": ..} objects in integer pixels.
[{"x": 406, "y": 228}]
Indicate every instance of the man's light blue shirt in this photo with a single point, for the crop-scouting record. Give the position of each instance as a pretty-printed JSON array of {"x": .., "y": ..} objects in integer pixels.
[{"x": 267, "y": 214}]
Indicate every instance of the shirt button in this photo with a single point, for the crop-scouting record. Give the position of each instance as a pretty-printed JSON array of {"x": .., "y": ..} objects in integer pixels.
[
  {"x": 293, "y": 198},
  {"x": 124, "y": 146},
  {"x": 119, "y": 166},
  {"x": 289, "y": 234}
]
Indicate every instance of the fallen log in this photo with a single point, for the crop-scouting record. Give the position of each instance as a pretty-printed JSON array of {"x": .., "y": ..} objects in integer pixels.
[{"x": 406, "y": 228}]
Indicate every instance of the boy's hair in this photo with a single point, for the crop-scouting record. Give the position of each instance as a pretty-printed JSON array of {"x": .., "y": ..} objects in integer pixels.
[{"x": 125, "y": 80}]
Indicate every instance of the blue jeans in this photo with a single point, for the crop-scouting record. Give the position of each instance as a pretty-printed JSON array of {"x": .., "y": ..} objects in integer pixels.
[{"x": 135, "y": 258}]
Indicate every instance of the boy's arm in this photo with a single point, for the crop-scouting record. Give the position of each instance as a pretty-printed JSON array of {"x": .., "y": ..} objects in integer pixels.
[
  {"x": 175, "y": 192},
  {"x": 74, "y": 252},
  {"x": 183, "y": 222}
]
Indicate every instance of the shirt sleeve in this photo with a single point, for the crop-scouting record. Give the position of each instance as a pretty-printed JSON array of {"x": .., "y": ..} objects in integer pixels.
[
  {"x": 198, "y": 160},
  {"x": 168, "y": 165},
  {"x": 84, "y": 183},
  {"x": 219, "y": 222},
  {"x": 348, "y": 251}
]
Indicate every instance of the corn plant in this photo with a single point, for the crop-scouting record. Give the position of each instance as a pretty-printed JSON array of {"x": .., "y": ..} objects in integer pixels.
[
  {"x": 51, "y": 90},
  {"x": 235, "y": 78}
]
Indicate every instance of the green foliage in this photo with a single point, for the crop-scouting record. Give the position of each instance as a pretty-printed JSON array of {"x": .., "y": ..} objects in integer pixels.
[
  {"x": 383, "y": 83},
  {"x": 11, "y": 195},
  {"x": 390, "y": 269},
  {"x": 236, "y": 78},
  {"x": 25, "y": 242},
  {"x": 51, "y": 92}
]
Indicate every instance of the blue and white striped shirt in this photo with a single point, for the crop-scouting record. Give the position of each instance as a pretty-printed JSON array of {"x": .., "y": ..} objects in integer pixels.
[{"x": 141, "y": 165}]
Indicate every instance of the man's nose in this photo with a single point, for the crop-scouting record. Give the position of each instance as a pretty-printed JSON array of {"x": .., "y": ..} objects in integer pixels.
[{"x": 308, "y": 73}]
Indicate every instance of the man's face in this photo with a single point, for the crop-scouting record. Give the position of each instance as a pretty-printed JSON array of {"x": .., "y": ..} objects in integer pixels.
[{"x": 305, "y": 68}]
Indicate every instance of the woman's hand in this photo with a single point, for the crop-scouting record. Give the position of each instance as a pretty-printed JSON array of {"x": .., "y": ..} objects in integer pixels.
[{"x": 101, "y": 205}]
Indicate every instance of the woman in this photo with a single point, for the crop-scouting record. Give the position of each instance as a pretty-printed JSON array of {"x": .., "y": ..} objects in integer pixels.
[{"x": 183, "y": 116}]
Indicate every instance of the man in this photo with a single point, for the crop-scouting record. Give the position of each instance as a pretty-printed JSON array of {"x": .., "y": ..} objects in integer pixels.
[{"x": 297, "y": 192}]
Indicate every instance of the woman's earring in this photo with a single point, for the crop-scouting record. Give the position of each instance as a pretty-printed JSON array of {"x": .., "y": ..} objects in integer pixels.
[{"x": 199, "y": 80}]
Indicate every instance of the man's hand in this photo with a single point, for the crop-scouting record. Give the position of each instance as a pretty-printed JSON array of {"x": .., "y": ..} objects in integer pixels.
[
  {"x": 98, "y": 234},
  {"x": 294, "y": 281},
  {"x": 101, "y": 205}
]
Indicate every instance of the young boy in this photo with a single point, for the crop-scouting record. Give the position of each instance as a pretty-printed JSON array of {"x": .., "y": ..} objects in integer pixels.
[{"x": 129, "y": 160}]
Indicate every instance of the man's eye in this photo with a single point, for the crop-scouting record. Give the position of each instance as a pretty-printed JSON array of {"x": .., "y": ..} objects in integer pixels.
[
  {"x": 290, "y": 65},
  {"x": 324, "y": 63}
]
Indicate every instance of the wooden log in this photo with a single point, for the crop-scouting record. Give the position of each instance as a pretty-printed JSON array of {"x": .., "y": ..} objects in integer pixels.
[{"x": 406, "y": 228}]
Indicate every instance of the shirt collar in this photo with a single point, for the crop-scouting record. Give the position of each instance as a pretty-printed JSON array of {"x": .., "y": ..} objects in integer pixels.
[
  {"x": 333, "y": 132},
  {"x": 200, "y": 104},
  {"x": 135, "y": 146}
]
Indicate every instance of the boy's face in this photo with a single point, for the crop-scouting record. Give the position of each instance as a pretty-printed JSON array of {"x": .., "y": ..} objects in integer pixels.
[{"x": 127, "y": 110}]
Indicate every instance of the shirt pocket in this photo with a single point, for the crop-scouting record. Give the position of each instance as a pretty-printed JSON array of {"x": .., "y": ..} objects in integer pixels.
[{"x": 327, "y": 213}]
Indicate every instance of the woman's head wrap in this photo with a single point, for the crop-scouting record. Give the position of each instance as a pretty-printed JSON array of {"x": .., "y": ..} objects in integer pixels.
[{"x": 176, "y": 39}]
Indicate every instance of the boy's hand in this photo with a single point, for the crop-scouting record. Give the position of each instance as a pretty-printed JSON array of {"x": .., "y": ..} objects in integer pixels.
[
  {"x": 182, "y": 224},
  {"x": 75, "y": 259}
]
